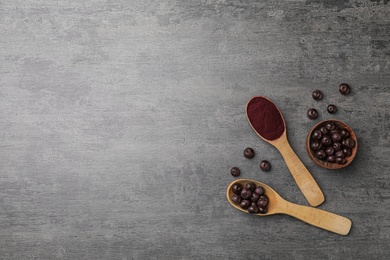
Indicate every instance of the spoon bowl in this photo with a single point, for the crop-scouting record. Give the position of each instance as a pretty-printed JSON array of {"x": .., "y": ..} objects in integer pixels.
[
  {"x": 268, "y": 123},
  {"x": 313, "y": 216},
  {"x": 274, "y": 199}
]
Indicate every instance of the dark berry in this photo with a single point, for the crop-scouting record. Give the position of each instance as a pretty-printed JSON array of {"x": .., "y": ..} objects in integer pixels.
[
  {"x": 262, "y": 210},
  {"x": 344, "y": 89},
  {"x": 254, "y": 197},
  {"x": 340, "y": 160},
  {"x": 259, "y": 190},
  {"x": 235, "y": 172},
  {"x": 339, "y": 154},
  {"x": 332, "y": 109},
  {"x": 253, "y": 208},
  {"x": 321, "y": 154},
  {"x": 348, "y": 142},
  {"x": 312, "y": 113},
  {"x": 317, "y": 134},
  {"x": 236, "y": 199},
  {"x": 330, "y": 126},
  {"x": 326, "y": 140},
  {"x": 315, "y": 145},
  {"x": 237, "y": 188},
  {"x": 317, "y": 94},
  {"x": 263, "y": 201},
  {"x": 249, "y": 153},
  {"x": 337, "y": 146},
  {"x": 265, "y": 166},
  {"x": 347, "y": 151},
  {"x": 331, "y": 158},
  {"x": 245, "y": 204},
  {"x": 344, "y": 133},
  {"x": 323, "y": 130},
  {"x": 246, "y": 193},
  {"x": 250, "y": 186},
  {"x": 329, "y": 150},
  {"x": 336, "y": 136}
]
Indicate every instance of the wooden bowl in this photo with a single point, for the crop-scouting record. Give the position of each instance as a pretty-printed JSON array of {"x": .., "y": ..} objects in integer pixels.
[{"x": 323, "y": 163}]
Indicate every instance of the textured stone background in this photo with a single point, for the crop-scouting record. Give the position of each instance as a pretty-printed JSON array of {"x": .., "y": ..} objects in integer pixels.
[{"x": 120, "y": 121}]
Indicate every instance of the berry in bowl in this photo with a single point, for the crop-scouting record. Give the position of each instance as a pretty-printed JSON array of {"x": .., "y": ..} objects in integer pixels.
[{"x": 331, "y": 144}]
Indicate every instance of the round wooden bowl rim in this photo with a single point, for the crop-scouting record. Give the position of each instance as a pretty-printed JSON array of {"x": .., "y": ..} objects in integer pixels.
[{"x": 326, "y": 165}]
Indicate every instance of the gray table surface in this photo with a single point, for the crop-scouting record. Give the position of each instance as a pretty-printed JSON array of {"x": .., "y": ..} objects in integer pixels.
[{"x": 120, "y": 121}]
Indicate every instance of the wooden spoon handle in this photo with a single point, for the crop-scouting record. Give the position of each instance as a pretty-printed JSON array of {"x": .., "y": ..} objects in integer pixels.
[
  {"x": 319, "y": 218},
  {"x": 302, "y": 176}
]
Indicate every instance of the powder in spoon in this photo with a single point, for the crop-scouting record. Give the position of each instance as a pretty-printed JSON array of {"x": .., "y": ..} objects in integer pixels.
[{"x": 265, "y": 118}]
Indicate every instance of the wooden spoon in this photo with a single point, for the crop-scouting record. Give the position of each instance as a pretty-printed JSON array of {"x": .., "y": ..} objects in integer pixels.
[
  {"x": 301, "y": 175},
  {"x": 278, "y": 205}
]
